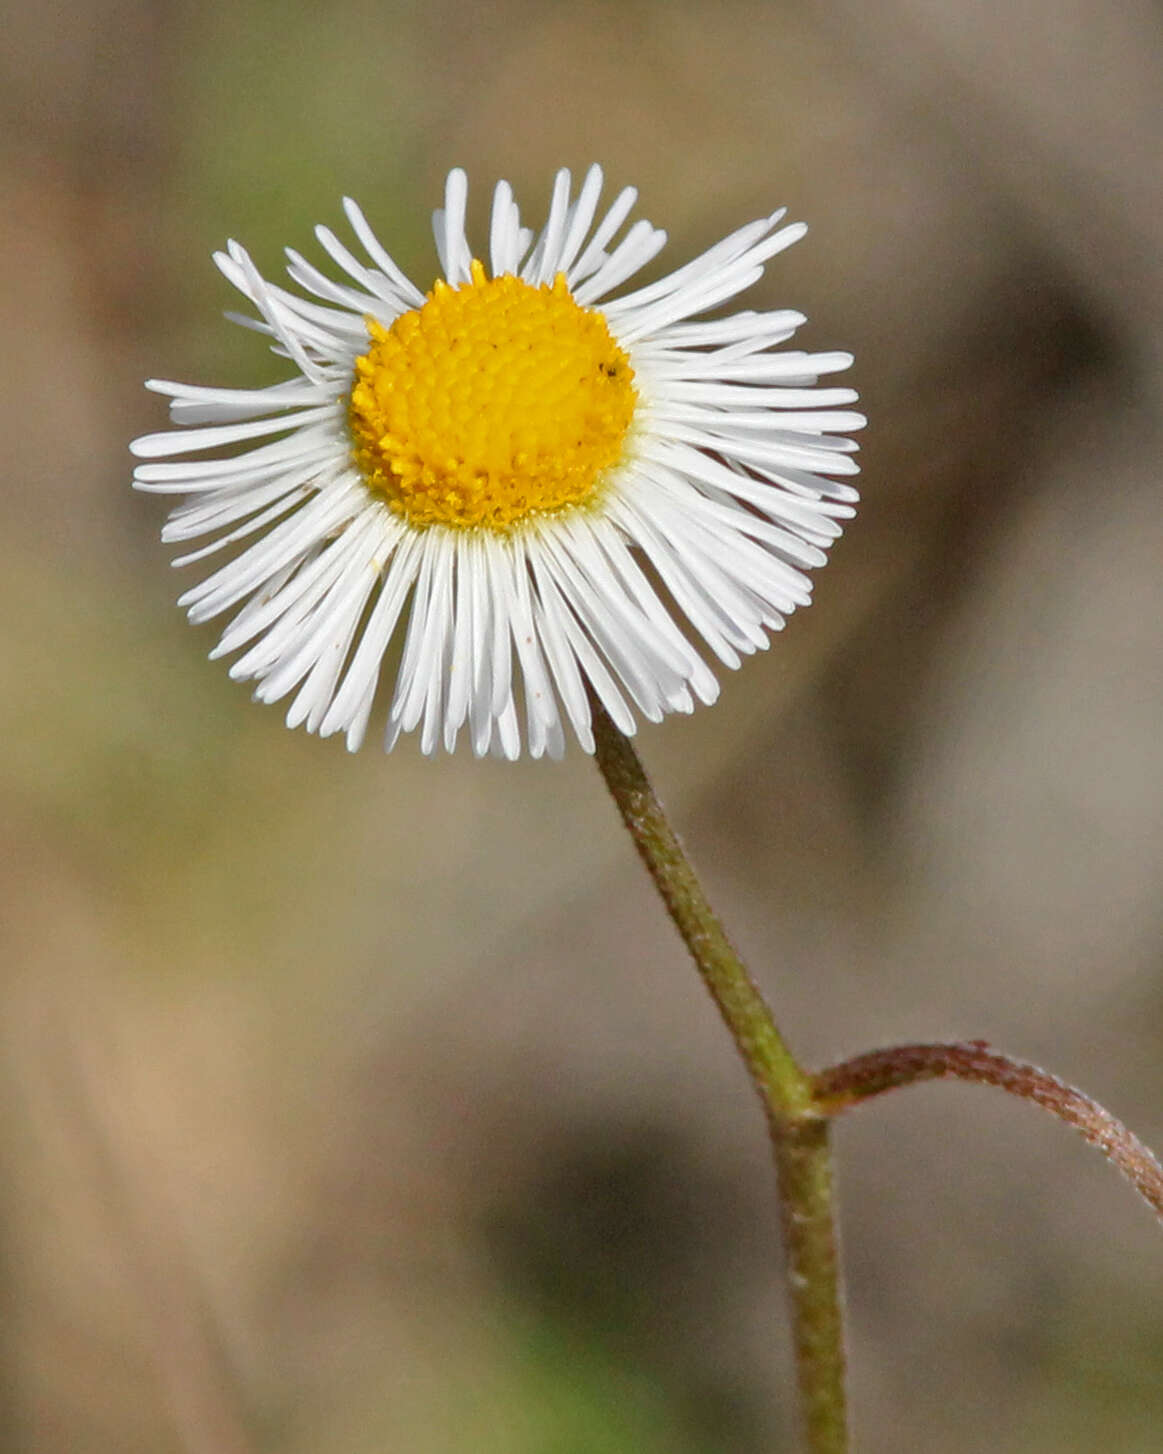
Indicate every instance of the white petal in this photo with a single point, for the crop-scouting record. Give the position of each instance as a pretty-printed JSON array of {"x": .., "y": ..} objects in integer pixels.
[
  {"x": 505, "y": 249},
  {"x": 545, "y": 263},
  {"x": 636, "y": 249},
  {"x": 581, "y": 219},
  {"x": 595, "y": 254},
  {"x": 448, "y": 225},
  {"x": 364, "y": 668},
  {"x": 372, "y": 246}
]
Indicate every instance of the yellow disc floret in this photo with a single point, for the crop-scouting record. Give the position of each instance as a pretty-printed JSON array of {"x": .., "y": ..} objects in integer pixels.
[{"x": 493, "y": 402}]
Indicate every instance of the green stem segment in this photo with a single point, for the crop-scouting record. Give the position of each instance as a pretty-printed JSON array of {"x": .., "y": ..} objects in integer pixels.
[
  {"x": 803, "y": 1160},
  {"x": 799, "y": 1130}
]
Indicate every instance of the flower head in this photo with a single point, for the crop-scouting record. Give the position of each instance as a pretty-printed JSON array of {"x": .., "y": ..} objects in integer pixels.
[{"x": 542, "y": 489}]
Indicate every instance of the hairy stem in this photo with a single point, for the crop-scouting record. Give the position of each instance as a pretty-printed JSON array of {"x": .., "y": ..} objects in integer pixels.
[
  {"x": 865, "y": 1076},
  {"x": 799, "y": 1133}
]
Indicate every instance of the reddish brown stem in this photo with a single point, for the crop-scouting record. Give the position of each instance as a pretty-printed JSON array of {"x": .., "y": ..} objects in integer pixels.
[{"x": 847, "y": 1084}]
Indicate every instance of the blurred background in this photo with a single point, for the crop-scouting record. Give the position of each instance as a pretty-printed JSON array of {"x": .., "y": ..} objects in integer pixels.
[{"x": 365, "y": 1104}]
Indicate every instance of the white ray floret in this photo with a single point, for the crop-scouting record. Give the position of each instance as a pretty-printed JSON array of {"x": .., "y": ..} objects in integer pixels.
[{"x": 731, "y": 486}]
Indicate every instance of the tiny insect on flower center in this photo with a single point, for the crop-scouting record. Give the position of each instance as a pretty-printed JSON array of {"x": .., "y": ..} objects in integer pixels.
[{"x": 493, "y": 403}]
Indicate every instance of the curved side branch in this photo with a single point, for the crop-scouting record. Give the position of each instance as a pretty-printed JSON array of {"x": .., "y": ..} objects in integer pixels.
[{"x": 845, "y": 1085}]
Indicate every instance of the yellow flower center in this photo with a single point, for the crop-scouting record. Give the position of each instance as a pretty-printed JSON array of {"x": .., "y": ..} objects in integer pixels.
[{"x": 493, "y": 402}]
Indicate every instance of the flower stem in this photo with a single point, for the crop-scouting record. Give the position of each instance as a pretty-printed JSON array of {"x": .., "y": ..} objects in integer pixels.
[{"x": 798, "y": 1128}]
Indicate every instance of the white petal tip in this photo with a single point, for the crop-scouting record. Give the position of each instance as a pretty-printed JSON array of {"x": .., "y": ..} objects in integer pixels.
[{"x": 151, "y": 446}]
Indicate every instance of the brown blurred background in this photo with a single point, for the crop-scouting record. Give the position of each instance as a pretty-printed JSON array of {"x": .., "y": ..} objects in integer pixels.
[{"x": 369, "y": 1104}]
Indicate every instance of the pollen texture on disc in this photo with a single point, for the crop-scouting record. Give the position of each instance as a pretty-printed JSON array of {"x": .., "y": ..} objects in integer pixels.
[{"x": 493, "y": 403}]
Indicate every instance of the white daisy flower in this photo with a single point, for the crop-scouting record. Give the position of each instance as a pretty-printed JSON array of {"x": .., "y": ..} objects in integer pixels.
[{"x": 543, "y": 490}]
